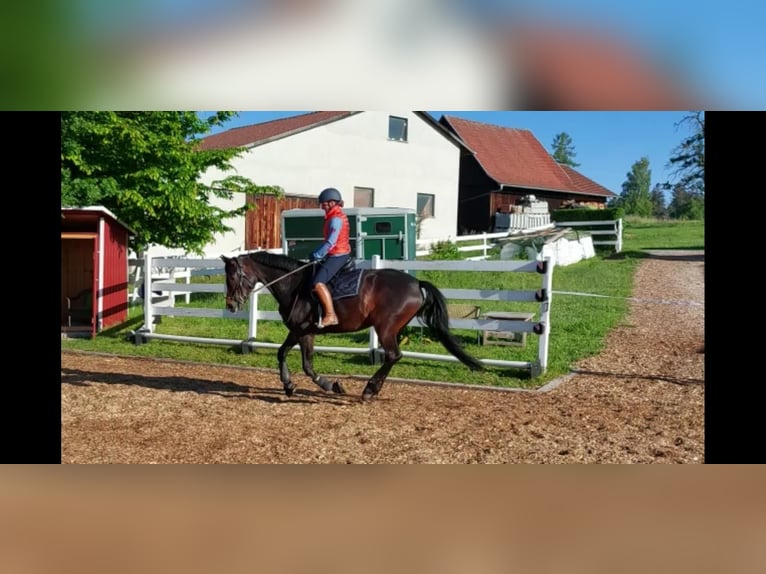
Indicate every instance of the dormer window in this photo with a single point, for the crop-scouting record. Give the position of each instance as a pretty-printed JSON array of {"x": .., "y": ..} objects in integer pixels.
[{"x": 397, "y": 129}]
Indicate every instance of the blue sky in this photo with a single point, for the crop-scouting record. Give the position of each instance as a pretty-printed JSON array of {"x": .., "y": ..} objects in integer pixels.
[
  {"x": 607, "y": 144},
  {"x": 717, "y": 47}
]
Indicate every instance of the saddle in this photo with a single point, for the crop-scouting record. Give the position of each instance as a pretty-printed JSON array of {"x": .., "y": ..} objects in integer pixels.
[{"x": 346, "y": 282}]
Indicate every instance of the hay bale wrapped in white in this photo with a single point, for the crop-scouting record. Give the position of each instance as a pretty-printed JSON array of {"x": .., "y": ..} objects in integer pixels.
[{"x": 559, "y": 249}]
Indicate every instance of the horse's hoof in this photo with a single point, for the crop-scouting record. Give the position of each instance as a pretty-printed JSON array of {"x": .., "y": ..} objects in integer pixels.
[
  {"x": 367, "y": 396},
  {"x": 290, "y": 390},
  {"x": 324, "y": 384},
  {"x": 338, "y": 389}
]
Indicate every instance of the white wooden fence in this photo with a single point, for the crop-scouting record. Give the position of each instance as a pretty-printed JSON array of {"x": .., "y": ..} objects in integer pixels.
[
  {"x": 136, "y": 271},
  {"x": 611, "y": 227},
  {"x": 541, "y": 326},
  {"x": 486, "y": 243}
]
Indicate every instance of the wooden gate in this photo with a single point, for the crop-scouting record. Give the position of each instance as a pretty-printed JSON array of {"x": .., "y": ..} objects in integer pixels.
[{"x": 263, "y": 224}]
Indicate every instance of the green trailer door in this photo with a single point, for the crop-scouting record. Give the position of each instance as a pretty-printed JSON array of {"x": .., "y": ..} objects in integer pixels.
[
  {"x": 388, "y": 235},
  {"x": 387, "y": 232}
]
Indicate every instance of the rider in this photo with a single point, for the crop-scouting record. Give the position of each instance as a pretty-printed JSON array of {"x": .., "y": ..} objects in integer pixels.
[{"x": 333, "y": 253}]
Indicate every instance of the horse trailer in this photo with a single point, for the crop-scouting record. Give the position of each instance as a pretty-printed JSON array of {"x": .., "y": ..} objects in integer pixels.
[{"x": 385, "y": 231}]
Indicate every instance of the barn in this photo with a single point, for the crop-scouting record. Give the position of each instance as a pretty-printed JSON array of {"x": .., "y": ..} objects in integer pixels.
[
  {"x": 94, "y": 270},
  {"x": 504, "y": 166}
]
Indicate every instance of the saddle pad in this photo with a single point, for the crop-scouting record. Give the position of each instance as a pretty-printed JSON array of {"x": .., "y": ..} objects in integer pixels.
[{"x": 345, "y": 284}]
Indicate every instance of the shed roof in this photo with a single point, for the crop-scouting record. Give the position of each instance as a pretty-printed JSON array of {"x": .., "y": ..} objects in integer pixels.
[{"x": 93, "y": 210}]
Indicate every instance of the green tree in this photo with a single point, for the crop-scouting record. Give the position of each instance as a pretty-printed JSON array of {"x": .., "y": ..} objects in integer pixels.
[
  {"x": 657, "y": 198},
  {"x": 685, "y": 204},
  {"x": 688, "y": 158},
  {"x": 563, "y": 150},
  {"x": 635, "y": 198},
  {"x": 146, "y": 168}
]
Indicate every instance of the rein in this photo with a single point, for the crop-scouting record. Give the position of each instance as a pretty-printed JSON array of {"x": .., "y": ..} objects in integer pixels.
[
  {"x": 295, "y": 299},
  {"x": 286, "y": 274}
]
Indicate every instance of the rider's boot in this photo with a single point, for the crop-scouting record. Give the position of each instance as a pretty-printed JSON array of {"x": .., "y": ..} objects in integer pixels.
[{"x": 325, "y": 298}]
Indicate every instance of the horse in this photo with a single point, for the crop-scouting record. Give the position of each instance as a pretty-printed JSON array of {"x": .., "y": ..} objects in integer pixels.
[{"x": 386, "y": 300}]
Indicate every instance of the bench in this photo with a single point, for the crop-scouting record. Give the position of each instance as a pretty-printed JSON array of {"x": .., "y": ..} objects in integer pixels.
[{"x": 507, "y": 338}]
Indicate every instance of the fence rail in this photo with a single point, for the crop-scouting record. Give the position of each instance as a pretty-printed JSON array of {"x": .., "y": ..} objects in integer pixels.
[
  {"x": 486, "y": 243},
  {"x": 541, "y": 326},
  {"x": 615, "y": 229},
  {"x": 520, "y": 221},
  {"x": 136, "y": 271}
]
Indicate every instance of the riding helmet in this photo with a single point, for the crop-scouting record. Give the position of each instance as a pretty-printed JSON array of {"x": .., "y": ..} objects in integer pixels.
[{"x": 330, "y": 194}]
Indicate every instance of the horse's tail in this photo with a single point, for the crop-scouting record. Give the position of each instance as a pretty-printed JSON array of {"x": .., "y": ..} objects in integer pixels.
[{"x": 434, "y": 314}]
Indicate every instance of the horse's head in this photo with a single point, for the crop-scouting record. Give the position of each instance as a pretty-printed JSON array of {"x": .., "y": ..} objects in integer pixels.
[{"x": 238, "y": 284}]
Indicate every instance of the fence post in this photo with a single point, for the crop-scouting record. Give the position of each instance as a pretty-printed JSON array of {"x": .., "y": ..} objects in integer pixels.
[
  {"x": 252, "y": 325},
  {"x": 484, "y": 242},
  {"x": 545, "y": 315},
  {"x": 187, "y": 280},
  {"x": 375, "y": 264},
  {"x": 148, "y": 315},
  {"x": 619, "y": 235}
]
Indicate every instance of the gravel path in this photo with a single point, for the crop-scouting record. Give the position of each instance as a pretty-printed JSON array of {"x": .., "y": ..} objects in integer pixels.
[{"x": 640, "y": 401}]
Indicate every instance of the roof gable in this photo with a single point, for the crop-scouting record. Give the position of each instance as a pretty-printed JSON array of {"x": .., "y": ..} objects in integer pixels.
[
  {"x": 515, "y": 157},
  {"x": 264, "y": 132}
]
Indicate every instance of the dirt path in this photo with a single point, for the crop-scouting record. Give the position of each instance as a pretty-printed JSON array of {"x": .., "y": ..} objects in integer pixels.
[{"x": 641, "y": 400}]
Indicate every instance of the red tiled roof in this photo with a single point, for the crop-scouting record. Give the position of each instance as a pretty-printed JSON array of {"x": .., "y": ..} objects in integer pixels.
[
  {"x": 585, "y": 185},
  {"x": 514, "y": 157},
  {"x": 266, "y": 131}
]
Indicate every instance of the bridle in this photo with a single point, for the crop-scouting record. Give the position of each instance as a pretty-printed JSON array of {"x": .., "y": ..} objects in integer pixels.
[{"x": 245, "y": 285}]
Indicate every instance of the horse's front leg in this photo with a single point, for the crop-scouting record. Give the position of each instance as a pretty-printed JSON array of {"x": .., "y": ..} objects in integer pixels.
[
  {"x": 391, "y": 354},
  {"x": 284, "y": 372},
  {"x": 306, "y": 343}
]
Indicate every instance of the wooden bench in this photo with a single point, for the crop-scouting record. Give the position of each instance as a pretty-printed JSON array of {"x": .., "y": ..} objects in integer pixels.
[
  {"x": 508, "y": 338},
  {"x": 463, "y": 311}
]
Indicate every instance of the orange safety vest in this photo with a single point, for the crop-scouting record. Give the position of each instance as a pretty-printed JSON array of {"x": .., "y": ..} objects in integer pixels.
[{"x": 342, "y": 246}]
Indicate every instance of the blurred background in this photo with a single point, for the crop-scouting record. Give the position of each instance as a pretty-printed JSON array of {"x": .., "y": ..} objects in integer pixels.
[
  {"x": 440, "y": 519},
  {"x": 354, "y": 54}
]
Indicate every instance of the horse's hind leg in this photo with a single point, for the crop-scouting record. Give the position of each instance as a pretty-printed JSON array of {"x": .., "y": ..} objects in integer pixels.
[
  {"x": 391, "y": 354},
  {"x": 307, "y": 353},
  {"x": 284, "y": 372}
]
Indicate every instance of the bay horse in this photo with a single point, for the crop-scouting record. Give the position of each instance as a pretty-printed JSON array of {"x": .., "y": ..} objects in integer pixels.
[{"x": 386, "y": 300}]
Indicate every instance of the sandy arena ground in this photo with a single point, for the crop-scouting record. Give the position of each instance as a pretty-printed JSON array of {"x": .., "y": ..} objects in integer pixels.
[{"x": 640, "y": 401}]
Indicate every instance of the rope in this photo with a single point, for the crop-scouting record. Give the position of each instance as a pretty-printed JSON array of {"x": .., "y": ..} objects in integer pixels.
[
  {"x": 634, "y": 299},
  {"x": 286, "y": 274}
]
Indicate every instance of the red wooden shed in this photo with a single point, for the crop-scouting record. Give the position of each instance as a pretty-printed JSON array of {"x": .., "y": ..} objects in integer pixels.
[{"x": 94, "y": 270}]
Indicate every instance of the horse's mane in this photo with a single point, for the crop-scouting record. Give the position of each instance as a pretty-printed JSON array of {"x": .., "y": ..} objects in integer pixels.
[{"x": 275, "y": 260}]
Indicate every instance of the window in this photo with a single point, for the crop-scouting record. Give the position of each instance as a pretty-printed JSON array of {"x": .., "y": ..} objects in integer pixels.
[
  {"x": 397, "y": 129},
  {"x": 425, "y": 205},
  {"x": 364, "y": 197}
]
